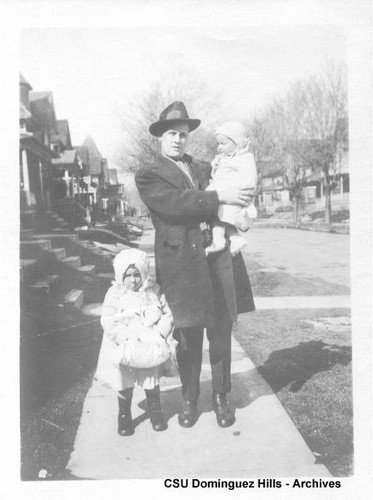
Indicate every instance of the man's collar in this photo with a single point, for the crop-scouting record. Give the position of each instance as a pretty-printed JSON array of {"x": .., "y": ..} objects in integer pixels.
[{"x": 185, "y": 158}]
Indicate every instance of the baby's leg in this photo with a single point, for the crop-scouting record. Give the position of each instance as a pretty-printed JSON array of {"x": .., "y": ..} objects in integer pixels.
[
  {"x": 245, "y": 218},
  {"x": 218, "y": 239},
  {"x": 237, "y": 243}
]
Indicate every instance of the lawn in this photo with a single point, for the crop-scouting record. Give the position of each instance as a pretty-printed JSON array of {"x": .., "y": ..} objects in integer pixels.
[
  {"x": 308, "y": 366},
  {"x": 56, "y": 374}
]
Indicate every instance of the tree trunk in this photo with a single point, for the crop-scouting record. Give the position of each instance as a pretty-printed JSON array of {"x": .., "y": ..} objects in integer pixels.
[
  {"x": 328, "y": 204},
  {"x": 296, "y": 209}
]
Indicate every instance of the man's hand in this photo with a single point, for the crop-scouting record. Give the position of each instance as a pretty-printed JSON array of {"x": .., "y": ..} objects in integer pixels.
[{"x": 235, "y": 196}]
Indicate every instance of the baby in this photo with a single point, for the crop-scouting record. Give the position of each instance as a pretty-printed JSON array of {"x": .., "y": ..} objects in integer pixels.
[
  {"x": 137, "y": 338},
  {"x": 233, "y": 166}
]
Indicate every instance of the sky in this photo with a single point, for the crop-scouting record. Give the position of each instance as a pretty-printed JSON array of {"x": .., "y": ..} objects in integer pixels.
[{"x": 94, "y": 72}]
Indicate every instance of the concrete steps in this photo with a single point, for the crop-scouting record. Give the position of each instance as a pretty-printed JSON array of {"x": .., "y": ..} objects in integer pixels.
[
  {"x": 57, "y": 236},
  {"x": 57, "y": 241},
  {"x": 106, "y": 276},
  {"x": 72, "y": 261},
  {"x": 31, "y": 248},
  {"x": 28, "y": 269},
  {"x": 26, "y": 233},
  {"x": 84, "y": 243},
  {"x": 59, "y": 253},
  {"x": 47, "y": 285},
  {"x": 93, "y": 309},
  {"x": 75, "y": 298},
  {"x": 88, "y": 269}
]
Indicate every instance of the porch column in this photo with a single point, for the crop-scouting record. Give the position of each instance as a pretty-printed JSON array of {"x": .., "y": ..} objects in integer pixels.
[
  {"x": 41, "y": 180},
  {"x": 25, "y": 172}
]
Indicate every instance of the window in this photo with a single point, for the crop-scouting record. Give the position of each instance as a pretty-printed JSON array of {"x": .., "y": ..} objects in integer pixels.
[
  {"x": 311, "y": 192},
  {"x": 337, "y": 188}
]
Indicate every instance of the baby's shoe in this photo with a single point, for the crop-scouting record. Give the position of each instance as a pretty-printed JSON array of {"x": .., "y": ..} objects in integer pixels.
[
  {"x": 237, "y": 244},
  {"x": 243, "y": 221},
  {"x": 217, "y": 245}
]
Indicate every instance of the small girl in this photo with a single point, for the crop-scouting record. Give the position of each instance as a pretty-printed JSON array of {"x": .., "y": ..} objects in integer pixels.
[
  {"x": 233, "y": 166},
  {"x": 133, "y": 310}
]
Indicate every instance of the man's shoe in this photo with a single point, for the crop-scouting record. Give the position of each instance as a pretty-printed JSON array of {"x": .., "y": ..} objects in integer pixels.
[
  {"x": 189, "y": 414},
  {"x": 223, "y": 410}
]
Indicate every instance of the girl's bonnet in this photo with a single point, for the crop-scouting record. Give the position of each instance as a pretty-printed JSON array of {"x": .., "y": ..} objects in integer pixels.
[{"x": 131, "y": 257}]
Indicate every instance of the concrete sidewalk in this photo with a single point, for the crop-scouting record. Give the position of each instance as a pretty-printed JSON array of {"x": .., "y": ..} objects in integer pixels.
[{"x": 262, "y": 443}]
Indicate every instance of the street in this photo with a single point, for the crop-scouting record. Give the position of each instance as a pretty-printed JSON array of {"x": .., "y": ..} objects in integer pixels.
[{"x": 305, "y": 254}]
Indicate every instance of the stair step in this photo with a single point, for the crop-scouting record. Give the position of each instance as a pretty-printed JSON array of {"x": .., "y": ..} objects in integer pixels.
[
  {"x": 37, "y": 243},
  {"x": 75, "y": 298},
  {"x": 47, "y": 284},
  {"x": 85, "y": 243},
  {"x": 92, "y": 309},
  {"x": 26, "y": 233},
  {"x": 27, "y": 262},
  {"x": 73, "y": 261},
  {"x": 59, "y": 253},
  {"x": 88, "y": 269},
  {"x": 27, "y": 266},
  {"x": 70, "y": 236},
  {"x": 107, "y": 276},
  {"x": 32, "y": 248}
]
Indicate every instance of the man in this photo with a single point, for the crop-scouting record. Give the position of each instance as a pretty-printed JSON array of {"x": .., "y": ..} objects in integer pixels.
[{"x": 200, "y": 290}]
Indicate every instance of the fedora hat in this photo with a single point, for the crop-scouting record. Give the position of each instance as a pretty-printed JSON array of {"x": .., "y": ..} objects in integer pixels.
[{"x": 174, "y": 114}]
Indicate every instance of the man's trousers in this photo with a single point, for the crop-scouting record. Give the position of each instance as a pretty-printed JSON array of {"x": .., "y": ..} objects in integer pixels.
[{"x": 189, "y": 356}]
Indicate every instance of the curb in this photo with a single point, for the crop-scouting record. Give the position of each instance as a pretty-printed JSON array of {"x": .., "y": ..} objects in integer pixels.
[{"x": 324, "y": 228}]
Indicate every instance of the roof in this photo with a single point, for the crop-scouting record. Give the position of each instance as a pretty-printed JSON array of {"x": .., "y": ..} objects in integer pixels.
[
  {"x": 63, "y": 135},
  {"x": 91, "y": 145},
  {"x": 38, "y": 95},
  {"x": 68, "y": 157},
  {"x": 23, "y": 81},
  {"x": 95, "y": 165},
  {"x": 42, "y": 108},
  {"x": 113, "y": 176},
  {"x": 24, "y": 113},
  {"x": 83, "y": 153}
]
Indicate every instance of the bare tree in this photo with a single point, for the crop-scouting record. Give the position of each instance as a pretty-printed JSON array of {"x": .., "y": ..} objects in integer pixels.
[
  {"x": 326, "y": 127},
  {"x": 282, "y": 123},
  {"x": 307, "y": 130},
  {"x": 139, "y": 147}
]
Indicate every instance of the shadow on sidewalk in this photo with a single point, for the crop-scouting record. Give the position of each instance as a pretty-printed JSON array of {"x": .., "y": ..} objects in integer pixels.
[
  {"x": 247, "y": 386},
  {"x": 296, "y": 365}
]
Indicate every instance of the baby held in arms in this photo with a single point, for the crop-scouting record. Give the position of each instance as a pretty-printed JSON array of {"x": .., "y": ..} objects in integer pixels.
[{"x": 234, "y": 165}]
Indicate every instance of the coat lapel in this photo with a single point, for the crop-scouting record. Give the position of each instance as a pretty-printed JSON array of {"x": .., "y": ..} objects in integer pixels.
[{"x": 168, "y": 170}]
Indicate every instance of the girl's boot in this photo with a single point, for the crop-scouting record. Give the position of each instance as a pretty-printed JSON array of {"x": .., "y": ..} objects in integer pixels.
[
  {"x": 125, "y": 425},
  {"x": 157, "y": 419}
]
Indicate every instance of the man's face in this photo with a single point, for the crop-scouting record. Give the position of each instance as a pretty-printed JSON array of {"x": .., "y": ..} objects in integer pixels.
[{"x": 174, "y": 141}]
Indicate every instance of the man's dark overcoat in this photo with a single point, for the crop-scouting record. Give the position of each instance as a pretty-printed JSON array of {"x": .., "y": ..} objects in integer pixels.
[{"x": 194, "y": 285}]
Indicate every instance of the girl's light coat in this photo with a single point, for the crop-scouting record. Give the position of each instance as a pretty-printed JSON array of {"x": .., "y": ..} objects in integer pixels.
[{"x": 120, "y": 312}]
